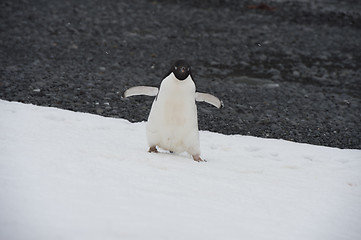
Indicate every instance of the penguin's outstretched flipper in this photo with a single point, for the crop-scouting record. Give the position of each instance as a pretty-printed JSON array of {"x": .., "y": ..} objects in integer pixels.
[
  {"x": 141, "y": 90},
  {"x": 209, "y": 98}
]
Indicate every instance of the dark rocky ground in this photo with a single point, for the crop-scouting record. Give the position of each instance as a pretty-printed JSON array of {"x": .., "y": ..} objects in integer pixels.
[{"x": 292, "y": 71}]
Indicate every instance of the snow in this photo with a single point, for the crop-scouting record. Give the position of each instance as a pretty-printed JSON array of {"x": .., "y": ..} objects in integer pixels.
[{"x": 71, "y": 175}]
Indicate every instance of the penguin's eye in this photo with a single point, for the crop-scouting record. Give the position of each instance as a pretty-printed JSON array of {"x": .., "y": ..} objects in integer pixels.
[{"x": 175, "y": 67}]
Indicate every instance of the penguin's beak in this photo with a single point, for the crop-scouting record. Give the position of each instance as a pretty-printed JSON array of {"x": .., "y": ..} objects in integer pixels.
[{"x": 183, "y": 69}]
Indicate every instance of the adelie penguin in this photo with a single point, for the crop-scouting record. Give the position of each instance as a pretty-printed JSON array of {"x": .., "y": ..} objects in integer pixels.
[{"x": 172, "y": 123}]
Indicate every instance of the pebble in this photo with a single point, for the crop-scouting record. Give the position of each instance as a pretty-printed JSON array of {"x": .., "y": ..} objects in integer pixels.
[{"x": 303, "y": 85}]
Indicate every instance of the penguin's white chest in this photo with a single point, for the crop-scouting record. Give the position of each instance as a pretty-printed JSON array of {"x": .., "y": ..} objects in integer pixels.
[{"x": 172, "y": 123}]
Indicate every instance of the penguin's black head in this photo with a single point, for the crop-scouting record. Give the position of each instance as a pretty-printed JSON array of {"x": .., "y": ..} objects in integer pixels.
[{"x": 181, "y": 69}]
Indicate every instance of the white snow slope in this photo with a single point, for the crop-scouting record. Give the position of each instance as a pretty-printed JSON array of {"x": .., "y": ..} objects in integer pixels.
[{"x": 70, "y": 175}]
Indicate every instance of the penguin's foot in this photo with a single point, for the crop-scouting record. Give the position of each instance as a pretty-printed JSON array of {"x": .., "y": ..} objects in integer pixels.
[
  {"x": 197, "y": 158},
  {"x": 153, "y": 149}
]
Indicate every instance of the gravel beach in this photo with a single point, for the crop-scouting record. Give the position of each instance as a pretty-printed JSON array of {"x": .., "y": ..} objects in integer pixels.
[{"x": 284, "y": 69}]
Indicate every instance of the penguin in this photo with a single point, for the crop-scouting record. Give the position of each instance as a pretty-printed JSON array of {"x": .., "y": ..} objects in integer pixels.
[{"x": 172, "y": 123}]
